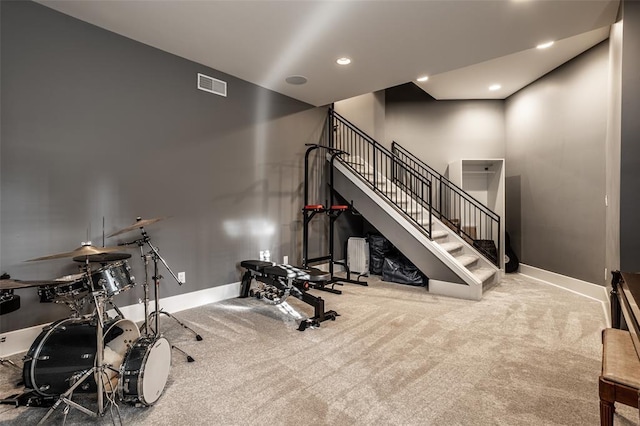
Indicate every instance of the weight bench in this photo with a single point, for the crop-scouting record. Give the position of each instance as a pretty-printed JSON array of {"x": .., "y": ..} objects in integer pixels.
[
  {"x": 280, "y": 281},
  {"x": 620, "y": 378}
]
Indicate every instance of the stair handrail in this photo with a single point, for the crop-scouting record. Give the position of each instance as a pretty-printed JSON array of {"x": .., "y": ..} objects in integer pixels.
[
  {"x": 431, "y": 174},
  {"x": 396, "y": 162},
  {"x": 396, "y": 147}
]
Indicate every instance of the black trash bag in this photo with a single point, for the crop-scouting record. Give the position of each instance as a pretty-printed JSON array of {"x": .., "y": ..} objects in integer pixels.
[
  {"x": 398, "y": 269},
  {"x": 379, "y": 247}
]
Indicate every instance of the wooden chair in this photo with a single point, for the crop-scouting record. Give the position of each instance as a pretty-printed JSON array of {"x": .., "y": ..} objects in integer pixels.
[{"x": 620, "y": 378}]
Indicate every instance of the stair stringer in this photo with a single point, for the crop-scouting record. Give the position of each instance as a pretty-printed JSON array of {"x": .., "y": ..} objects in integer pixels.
[
  {"x": 446, "y": 276},
  {"x": 460, "y": 249}
]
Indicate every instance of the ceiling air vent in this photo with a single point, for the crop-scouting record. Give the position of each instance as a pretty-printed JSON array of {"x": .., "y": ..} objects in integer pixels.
[{"x": 212, "y": 85}]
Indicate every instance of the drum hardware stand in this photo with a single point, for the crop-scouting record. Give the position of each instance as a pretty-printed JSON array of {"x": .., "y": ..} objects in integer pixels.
[
  {"x": 155, "y": 256},
  {"x": 10, "y": 363},
  {"x": 10, "y": 303},
  {"x": 115, "y": 308},
  {"x": 99, "y": 367}
]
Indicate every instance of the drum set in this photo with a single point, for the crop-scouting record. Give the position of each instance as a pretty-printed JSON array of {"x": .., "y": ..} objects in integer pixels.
[{"x": 96, "y": 353}]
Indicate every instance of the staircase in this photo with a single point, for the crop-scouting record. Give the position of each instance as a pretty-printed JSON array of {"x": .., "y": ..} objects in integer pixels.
[
  {"x": 470, "y": 218},
  {"x": 398, "y": 200}
]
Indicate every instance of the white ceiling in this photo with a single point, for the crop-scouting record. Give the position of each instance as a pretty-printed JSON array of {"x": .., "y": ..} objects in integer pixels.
[{"x": 463, "y": 45}]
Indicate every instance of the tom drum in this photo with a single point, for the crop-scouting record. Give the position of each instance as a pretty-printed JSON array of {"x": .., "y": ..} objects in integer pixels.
[
  {"x": 114, "y": 278},
  {"x": 145, "y": 371}
]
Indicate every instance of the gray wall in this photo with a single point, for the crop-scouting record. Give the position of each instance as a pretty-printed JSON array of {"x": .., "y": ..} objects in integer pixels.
[
  {"x": 367, "y": 112},
  {"x": 630, "y": 140},
  {"x": 556, "y": 137},
  {"x": 440, "y": 132},
  {"x": 553, "y": 135},
  {"x": 96, "y": 126},
  {"x": 614, "y": 120}
]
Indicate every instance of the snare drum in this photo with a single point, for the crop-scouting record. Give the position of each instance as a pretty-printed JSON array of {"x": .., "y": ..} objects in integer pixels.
[
  {"x": 69, "y": 287},
  {"x": 66, "y": 349},
  {"x": 145, "y": 371},
  {"x": 114, "y": 278}
]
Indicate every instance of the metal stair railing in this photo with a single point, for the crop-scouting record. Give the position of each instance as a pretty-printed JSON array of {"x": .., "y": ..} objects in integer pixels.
[
  {"x": 472, "y": 220},
  {"x": 376, "y": 165}
]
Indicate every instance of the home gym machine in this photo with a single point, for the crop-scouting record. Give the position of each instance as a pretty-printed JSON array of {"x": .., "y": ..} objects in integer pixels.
[
  {"x": 333, "y": 211},
  {"x": 276, "y": 282}
]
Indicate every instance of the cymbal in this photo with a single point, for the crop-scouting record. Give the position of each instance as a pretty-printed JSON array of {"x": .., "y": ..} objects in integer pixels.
[
  {"x": 15, "y": 284},
  {"x": 140, "y": 223},
  {"x": 102, "y": 257},
  {"x": 83, "y": 251}
]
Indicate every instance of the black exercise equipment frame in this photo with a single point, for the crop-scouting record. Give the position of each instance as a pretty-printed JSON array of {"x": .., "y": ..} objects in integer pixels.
[
  {"x": 334, "y": 212},
  {"x": 256, "y": 270}
]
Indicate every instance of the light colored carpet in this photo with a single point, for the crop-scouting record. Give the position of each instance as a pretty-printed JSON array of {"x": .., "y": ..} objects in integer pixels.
[{"x": 527, "y": 354}]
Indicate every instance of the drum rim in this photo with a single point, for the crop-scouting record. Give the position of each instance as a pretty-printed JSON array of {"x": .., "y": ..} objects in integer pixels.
[
  {"x": 34, "y": 358},
  {"x": 100, "y": 272},
  {"x": 124, "y": 356},
  {"x": 146, "y": 357},
  {"x": 110, "y": 265},
  {"x": 52, "y": 328},
  {"x": 149, "y": 342}
]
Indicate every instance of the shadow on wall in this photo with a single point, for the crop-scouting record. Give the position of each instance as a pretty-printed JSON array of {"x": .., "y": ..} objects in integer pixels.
[{"x": 513, "y": 213}]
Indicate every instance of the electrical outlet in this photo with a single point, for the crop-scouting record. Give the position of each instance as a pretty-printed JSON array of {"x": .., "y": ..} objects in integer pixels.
[
  {"x": 285, "y": 260},
  {"x": 3, "y": 339},
  {"x": 182, "y": 277}
]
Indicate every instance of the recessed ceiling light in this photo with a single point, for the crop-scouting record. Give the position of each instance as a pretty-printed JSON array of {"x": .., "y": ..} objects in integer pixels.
[
  {"x": 545, "y": 45},
  {"x": 494, "y": 87},
  {"x": 423, "y": 78},
  {"x": 344, "y": 61},
  {"x": 296, "y": 79}
]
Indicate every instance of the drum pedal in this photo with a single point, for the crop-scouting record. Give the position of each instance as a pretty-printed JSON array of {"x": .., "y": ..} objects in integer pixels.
[{"x": 28, "y": 398}]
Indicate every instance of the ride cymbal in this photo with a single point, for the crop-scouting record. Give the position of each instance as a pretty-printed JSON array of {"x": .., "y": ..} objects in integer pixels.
[
  {"x": 83, "y": 251},
  {"x": 140, "y": 223},
  {"x": 16, "y": 284},
  {"x": 102, "y": 257}
]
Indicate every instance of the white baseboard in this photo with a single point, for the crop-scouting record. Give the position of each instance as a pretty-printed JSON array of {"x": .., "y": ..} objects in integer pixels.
[
  {"x": 583, "y": 288},
  {"x": 17, "y": 341}
]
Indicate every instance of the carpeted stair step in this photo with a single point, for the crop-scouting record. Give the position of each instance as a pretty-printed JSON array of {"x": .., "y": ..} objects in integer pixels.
[
  {"x": 467, "y": 259},
  {"x": 361, "y": 168},
  {"x": 415, "y": 211},
  {"x": 407, "y": 203},
  {"x": 439, "y": 234},
  {"x": 424, "y": 221},
  {"x": 388, "y": 188},
  {"x": 451, "y": 246},
  {"x": 483, "y": 274}
]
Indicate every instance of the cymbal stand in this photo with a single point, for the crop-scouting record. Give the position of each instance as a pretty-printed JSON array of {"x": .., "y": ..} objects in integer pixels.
[
  {"x": 10, "y": 363},
  {"x": 145, "y": 285},
  {"x": 99, "y": 366},
  {"x": 9, "y": 296},
  {"x": 155, "y": 257}
]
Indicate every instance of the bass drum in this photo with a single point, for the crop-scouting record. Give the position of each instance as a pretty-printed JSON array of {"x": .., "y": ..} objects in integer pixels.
[
  {"x": 145, "y": 371},
  {"x": 66, "y": 349}
]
